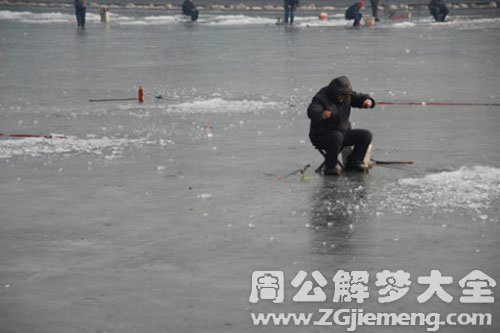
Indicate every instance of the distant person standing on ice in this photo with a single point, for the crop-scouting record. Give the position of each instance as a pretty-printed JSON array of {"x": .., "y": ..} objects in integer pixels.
[
  {"x": 353, "y": 13},
  {"x": 290, "y": 8},
  {"x": 80, "y": 11},
  {"x": 330, "y": 127},
  {"x": 374, "y": 4},
  {"x": 189, "y": 9},
  {"x": 439, "y": 10}
]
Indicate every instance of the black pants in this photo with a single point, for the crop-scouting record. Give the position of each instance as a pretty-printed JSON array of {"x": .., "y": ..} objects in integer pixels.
[
  {"x": 194, "y": 15},
  {"x": 356, "y": 17},
  {"x": 80, "y": 16},
  {"x": 334, "y": 141},
  {"x": 439, "y": 16},
  {"x": 374, "y": 4}
]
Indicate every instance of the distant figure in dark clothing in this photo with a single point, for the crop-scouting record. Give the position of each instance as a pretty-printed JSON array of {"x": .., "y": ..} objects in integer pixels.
[
  {"x": 290, "y": 8},
  {"x": 330, "y": 128},
  {"x": 189, "y": 9},
  {"x": 80, "y": 11},
  {"x": 352, "y": 13},
  {"x": 374, "y": 4},
  {"x": 439, "y": 10}
]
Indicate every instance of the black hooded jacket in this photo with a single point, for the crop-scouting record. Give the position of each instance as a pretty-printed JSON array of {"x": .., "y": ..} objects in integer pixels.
[
  {"x": 188, "y": 7},
  {"x": 352, "y": 11},
  {"x": 438, "y": 9},
  {"x": 326, "y": 100}
]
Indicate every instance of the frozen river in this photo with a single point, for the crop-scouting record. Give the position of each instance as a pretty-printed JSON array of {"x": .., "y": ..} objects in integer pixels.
[{"x": 152, "y": 217}]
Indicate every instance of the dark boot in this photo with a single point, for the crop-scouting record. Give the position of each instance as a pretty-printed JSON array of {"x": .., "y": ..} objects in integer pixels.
[
  {"x": 355, "y": 166},
  {"x": 331, "y": 171}
]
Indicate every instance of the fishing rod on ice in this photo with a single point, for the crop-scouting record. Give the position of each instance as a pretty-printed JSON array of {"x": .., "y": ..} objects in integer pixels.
[
  {"x": 140, "y": 97},
  {"x": 390, "y": 162},
  {"x": 302, "y": 170},
  {"x": 436, "y": 103},
  {"x": 373, "y": 162}
]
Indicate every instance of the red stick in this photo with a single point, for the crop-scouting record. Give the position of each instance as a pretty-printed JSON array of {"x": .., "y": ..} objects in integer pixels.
[
  {"x": 438, "y": 103},
  {"x": 113, "y": 99},
  {"x": 22, "y": 136}
]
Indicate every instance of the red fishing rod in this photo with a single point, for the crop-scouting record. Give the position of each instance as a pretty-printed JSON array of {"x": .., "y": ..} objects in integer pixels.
[
  {"x": 437, "y": 103},
  {"x": 25, "y": 136}
]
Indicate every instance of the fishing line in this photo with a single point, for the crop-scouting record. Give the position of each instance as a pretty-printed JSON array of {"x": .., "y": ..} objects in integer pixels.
[{"x": 437, "y": 103}]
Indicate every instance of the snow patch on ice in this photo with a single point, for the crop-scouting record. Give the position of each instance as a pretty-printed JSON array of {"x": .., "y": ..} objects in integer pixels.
[
  {"x": 238, "y": 20},
  {"x": 245, "y": 20},
  {"x": 404, "y": 25},
  {"x": 108, "y": 147},
  {"x": 314, "y": 21},
  {"x": 43, "y": 18},
  {"x": 147, "y": 20},
  {"x": 219, "y": 105},
  {"x": 464, "y": 22},
  {"x": 471, "y": 188}
]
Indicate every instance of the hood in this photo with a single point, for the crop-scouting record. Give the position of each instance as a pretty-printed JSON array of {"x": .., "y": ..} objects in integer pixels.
[{"x": 339, "y": 86}]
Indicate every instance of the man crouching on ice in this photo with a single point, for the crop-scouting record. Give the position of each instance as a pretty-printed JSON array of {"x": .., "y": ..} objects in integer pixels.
[{"x": 330, "y": 128}]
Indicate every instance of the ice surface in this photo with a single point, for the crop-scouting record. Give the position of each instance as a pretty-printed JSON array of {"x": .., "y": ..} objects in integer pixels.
[
  {"x": 219, "y": 105},
  {"x": 152, "y": 217}
]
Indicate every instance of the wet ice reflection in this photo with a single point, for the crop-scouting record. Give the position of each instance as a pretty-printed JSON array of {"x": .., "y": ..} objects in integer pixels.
[{"x": 338, "y": 205}]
